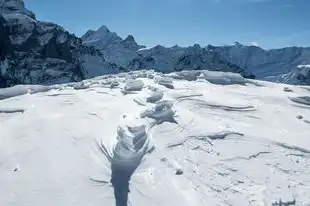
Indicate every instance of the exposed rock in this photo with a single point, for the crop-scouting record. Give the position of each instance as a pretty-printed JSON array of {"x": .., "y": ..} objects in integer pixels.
[{"x": 38, "y": 52}]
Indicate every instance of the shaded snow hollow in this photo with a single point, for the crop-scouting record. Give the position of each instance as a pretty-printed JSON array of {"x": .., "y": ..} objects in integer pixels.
[{"x": 144, "y": 138}]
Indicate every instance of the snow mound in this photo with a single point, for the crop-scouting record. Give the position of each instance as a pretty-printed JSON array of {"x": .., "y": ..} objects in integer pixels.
[
  {"x": 305, "y": 100},
  {"x": 130, "y": 146},
  {"x": 154, "y": 96},
  {"x": 165, "y": 81},
  {"x": 185, "y": 75},
  {"x": 223, "y": 78},
  {"x": 23, "y": 89},
  {"x": 133, "y": 86},
  {"x": 161, "y": 112},
  {"x": 149, "y": 95}
]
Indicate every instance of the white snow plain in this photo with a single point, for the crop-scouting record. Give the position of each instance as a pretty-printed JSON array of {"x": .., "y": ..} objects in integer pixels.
[{"x": 168, "y": 141}]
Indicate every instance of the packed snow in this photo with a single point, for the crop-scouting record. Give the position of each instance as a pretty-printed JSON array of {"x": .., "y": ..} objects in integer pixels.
[{"x": 185, "y": 139}]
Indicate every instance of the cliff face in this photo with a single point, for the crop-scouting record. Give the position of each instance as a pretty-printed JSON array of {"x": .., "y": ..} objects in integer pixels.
[{"x": 37, "y": 52}]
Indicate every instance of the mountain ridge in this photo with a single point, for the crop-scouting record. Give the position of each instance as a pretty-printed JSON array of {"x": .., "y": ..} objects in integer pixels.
[
  {"x": 40, "y": 52},
  {"x": 254, "y": 61}
]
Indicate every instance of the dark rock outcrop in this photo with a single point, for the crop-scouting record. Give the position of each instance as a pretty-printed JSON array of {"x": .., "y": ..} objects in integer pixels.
[{"x": 38, "y": 52}]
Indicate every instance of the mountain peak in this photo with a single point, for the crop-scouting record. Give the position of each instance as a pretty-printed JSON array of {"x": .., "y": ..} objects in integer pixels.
[
  {"x": 130, "y": 42},
  {"x": 15, "y": 6},
  {"x": 103, "y": 29},
  {"x": 237, "y": 44},
  {"x": 130, "y": 38}
]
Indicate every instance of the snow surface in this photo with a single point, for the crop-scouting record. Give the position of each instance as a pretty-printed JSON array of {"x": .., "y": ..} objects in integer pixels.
[{"x": 197, "y": 143}]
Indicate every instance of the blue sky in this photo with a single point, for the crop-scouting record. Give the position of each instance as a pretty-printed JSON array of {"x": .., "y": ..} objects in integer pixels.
[{"x": 268, "y": 23}]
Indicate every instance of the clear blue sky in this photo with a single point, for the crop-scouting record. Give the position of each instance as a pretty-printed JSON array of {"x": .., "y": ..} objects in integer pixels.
[{"x": 269, "y": 23}]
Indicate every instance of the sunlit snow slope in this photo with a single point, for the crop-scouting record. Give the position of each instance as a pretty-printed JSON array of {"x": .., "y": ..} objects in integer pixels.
[{"x": 184, "y": 139}]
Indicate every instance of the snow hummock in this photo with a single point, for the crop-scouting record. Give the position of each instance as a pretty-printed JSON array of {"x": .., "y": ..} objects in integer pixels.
[{"x": 201, "y": 142}]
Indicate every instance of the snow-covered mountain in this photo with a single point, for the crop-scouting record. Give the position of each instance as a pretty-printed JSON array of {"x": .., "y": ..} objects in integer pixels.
[
  {"x": 268, "y": 65},
  {"x": 143, "y": 138},
  {"x": 118, "y": 50},
  {"x": 34, "y": 51},
  {"x": 277, "y": 65},
  {"x": 132, "y": 56}
]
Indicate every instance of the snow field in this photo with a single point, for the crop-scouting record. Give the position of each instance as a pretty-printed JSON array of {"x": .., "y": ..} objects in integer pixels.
[{"x": 200, "y": 143}]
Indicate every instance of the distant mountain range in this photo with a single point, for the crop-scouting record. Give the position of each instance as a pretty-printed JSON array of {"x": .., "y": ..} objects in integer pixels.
[
  {"x": 287, "y": 65},
  {"x": 38, "y": 52}
]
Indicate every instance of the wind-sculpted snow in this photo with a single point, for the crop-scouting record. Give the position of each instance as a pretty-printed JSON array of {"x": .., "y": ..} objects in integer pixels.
[
  {"x": 22, "y": 89},
  {"x": 10, "y": 110},
  {"x": 162, "y": 111},
  {"x": 305, "y": 100},
  {"x": 125, "y": 155},
  {"x": 133, "y": 86},
  {"x": 222, "y": 78},
  {"x": 185, "y": 75},
  {"x": 149, "y": 95},
  {"x": 132, "y": 143},
  {"x": 154, "y": 96},
  {"x": 197, "y": 144},
  {"x": 165, "y": 81}
]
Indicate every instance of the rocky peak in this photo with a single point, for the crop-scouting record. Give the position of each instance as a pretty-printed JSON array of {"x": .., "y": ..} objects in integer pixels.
[
  {"x": 88, "y": 34},
  {"x": 102, "y": 37},
  {"x": 237, "y": 44},
  {"x": 33, "y": 52},
  {"x": 5, "y": 43},
  {"x": 15, "y": 6},
  {"x": 130, "y": 38},
  {"x": 103, "y": 29},
  {"x": 130, "y": 43}
]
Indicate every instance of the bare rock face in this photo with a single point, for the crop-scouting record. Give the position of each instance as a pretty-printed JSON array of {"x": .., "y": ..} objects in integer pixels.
[{"x": 38, "y": 52}]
